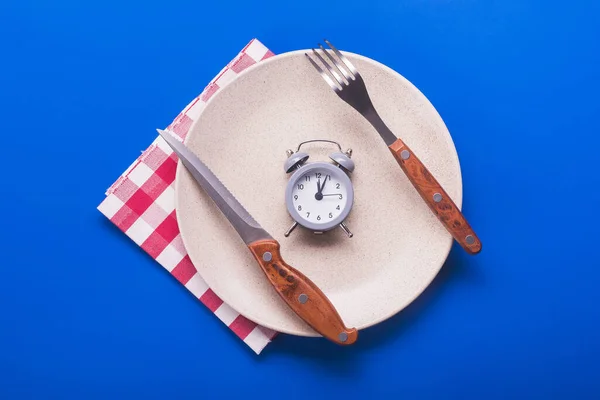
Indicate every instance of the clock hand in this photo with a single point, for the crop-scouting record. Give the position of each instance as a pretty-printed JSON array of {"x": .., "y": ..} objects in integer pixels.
[
  {"x": 331, "y": 194},
  {"x": 319, "y": 195},
  {"x": 323, "y": 186}
]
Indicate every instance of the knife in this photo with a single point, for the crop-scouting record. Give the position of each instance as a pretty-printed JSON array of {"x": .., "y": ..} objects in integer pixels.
[{"x": 299, "y": 292}]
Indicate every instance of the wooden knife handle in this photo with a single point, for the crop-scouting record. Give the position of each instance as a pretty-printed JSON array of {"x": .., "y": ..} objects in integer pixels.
[
  {"x": 301, "y": 294},
  {"x": 436, "y": 197}
]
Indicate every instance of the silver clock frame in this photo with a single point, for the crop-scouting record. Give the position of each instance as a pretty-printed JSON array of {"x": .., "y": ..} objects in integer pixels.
[{"x": 335, "y": 222}]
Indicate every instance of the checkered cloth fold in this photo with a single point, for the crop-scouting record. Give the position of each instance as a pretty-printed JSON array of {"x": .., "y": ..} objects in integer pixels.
[{"x": 142, "y": 204}]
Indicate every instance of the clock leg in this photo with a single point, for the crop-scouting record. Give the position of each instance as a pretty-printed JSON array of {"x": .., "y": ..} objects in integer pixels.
[
  {"x": 345, "y": 229},
  {"x": 287, "y": 233}
]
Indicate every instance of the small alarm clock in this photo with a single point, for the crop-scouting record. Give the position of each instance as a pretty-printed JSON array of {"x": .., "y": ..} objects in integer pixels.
[{"x": 319, "y": 195}]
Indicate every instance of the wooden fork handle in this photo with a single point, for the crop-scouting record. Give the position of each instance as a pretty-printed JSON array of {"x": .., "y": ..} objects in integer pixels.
[
  {"x": 436, "y": 197},
  {"x": 301, "y": 294}
]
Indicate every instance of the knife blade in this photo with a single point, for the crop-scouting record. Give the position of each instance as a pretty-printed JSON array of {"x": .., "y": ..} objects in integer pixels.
[{"x": 298, "y": 291}]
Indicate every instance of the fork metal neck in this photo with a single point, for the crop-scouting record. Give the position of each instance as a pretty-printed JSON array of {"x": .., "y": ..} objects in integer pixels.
[{"x": 373, "y": 117}]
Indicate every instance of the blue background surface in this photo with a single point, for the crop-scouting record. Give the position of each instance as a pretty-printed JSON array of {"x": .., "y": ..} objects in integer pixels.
[{"x": 84, "y": 313}]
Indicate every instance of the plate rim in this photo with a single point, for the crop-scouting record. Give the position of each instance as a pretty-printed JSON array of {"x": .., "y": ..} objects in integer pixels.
[{"x": 458, "y": 202}]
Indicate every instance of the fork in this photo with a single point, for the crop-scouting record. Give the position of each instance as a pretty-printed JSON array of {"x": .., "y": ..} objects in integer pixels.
[{"x": 350, "y": 87}]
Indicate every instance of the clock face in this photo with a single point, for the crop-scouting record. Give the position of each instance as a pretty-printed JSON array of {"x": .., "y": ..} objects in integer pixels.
[{"x": 319, "y": 196}]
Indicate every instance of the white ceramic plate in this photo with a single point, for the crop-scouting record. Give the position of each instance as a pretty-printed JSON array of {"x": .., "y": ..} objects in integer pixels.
[{"x": 242, "y": 135}]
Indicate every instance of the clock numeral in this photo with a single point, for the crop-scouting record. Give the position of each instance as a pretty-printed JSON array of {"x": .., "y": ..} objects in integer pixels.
[
  {"x": 307, "y": 178},
  {"x": 338, "y": 207},
  {"x": 307, "y": 214},
  {"x": 318, "y": 217},
  {"x": 299, "y": 208},
  {"x": 337, "y": 186},
  {"x": 341, "y": 197},
  {"x": 331, "y": 215},
  {"x": 318, "y": 175},
  {"x": 328, "y": 177},
  {"x": 300, "y": 186},
  {"x": 295, "y": 197}
]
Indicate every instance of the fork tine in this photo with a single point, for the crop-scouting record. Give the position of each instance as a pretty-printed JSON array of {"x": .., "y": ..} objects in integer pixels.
[
  {"x": 335, "y": 62},
  {"x": 343, "y": 58},
  {"x": 323, "y": 74},
  {"x": 330, "y": 69}
]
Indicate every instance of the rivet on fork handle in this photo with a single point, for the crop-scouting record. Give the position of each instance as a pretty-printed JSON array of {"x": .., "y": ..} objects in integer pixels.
[
  {"x": 345, "y": 80},
  {"x": 436, "y": 198}
]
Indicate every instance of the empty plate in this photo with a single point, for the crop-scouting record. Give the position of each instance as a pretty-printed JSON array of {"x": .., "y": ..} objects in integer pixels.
[{"x": 242, "y": 135}]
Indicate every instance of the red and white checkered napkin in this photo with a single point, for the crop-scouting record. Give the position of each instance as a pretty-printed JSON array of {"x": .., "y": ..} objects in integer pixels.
[{"x": 142, "y": 204}]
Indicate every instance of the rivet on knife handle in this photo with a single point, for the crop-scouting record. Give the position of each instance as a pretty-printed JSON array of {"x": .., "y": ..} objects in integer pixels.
[
  {"x": 436, "y": 197},
  {"x": 301, "y": 294},
  {"x": 298, "y": 291}
]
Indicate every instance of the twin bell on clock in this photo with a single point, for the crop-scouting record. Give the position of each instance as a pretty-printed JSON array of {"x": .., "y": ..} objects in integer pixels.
[{"x": 319, "y": 195}]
